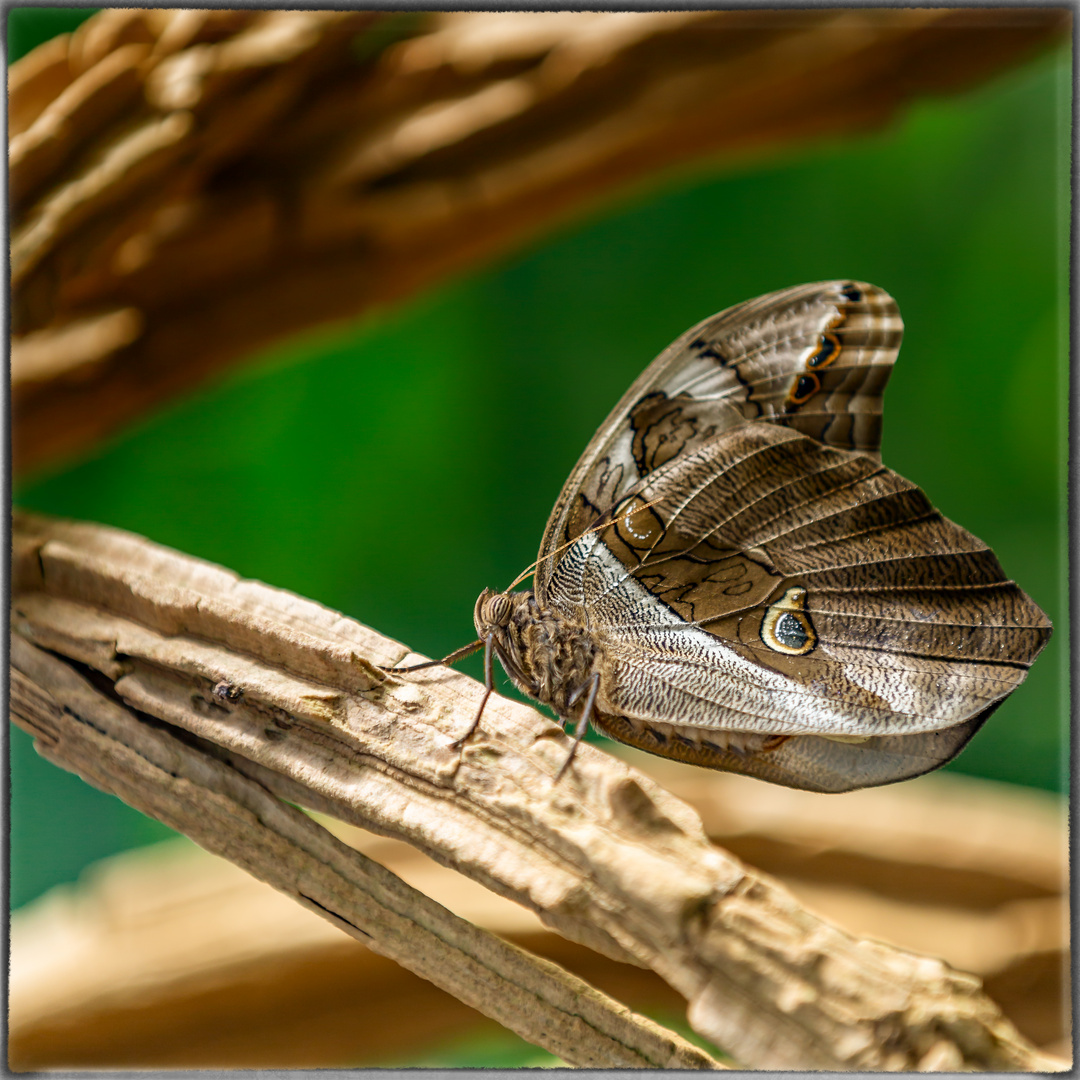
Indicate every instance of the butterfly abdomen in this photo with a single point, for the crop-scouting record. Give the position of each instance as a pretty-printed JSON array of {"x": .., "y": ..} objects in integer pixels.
[{"x": 710, "y": 748}]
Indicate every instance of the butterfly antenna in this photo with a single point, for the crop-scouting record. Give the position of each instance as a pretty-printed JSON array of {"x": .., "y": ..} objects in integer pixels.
[{"x": 569, "y": 543}]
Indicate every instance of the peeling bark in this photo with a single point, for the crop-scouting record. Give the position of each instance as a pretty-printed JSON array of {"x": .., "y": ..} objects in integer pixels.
[{"x": 82, "y": 730}]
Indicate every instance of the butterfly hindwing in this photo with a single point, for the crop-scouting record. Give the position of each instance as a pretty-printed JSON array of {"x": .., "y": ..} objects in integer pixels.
[{"x": 822, "y": 585}]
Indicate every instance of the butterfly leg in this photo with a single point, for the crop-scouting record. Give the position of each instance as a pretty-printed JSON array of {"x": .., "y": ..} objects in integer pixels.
[
  {"x": 453, "y": 658},
  {"x": 592, "y": 685},
  {"x": 489, "y": 685}
]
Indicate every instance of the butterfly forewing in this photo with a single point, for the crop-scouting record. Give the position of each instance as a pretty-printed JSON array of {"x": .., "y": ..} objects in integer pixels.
[
  {"x": 814, "y": 358},
  {"x": 744, "y": 563}
]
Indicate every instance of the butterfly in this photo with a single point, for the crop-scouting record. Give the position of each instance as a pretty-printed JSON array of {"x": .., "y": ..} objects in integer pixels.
[{"x": 731, "y": 578}]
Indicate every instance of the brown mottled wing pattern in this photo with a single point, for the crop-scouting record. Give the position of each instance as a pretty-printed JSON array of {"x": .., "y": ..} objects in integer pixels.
[
  {"x": 814, "y": 358},
  {"x": 746, "y": 563},
  {"x": 906, "y": 621}
]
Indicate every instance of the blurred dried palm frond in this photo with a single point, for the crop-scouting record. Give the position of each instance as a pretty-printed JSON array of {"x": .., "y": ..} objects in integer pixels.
[
  {"x": 168, "y": 940},
  {"x": 190, "y": 185}
]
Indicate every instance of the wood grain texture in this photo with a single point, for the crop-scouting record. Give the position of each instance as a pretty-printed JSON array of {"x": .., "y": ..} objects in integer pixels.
[
  {"x": 288, "y": 694},
  {"x": 234, "y": 177},
  {"x": 82, "y": 730}
]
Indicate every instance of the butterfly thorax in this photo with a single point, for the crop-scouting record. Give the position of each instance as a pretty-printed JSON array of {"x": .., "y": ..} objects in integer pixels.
[{"x": 548, "y": 656}]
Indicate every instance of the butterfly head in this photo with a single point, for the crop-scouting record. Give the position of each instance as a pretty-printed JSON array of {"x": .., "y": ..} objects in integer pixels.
[
  {"x": 504, "y": 619},
  {"x": 494, "y": 611},
  {"x": 546, "y": 655}
]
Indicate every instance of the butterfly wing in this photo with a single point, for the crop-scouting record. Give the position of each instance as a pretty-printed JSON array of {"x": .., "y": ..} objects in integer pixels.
[
  {"x": 814, "y": 358},
  {"x": 751, "y": 567}
]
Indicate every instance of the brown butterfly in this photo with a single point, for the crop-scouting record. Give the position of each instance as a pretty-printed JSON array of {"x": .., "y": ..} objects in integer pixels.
[{"x": 731, "y": 577}]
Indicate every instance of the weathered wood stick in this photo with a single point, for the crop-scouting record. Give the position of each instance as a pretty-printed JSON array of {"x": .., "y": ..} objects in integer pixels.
[
  {"x": 291, "y": 693},
  {"x": 80, "y": 729}
]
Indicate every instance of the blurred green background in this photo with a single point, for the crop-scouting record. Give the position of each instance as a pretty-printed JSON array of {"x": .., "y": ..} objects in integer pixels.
[{"x": 394, "y": 468}]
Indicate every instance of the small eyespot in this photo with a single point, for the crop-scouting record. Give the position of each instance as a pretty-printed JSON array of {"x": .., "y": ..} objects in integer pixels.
[
  {"x": 827, "y": 351},
  {"x": 807, "y": 386},
  {"x": 638, "y": 525},
  {"x": 786, "y": 627}
]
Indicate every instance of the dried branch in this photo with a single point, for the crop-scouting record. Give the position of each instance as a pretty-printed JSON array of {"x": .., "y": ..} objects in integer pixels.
[
  {"x": 81, "y": 730},
  {"x": 290, "y": 694},
  {"x": 190, "y": 185}
]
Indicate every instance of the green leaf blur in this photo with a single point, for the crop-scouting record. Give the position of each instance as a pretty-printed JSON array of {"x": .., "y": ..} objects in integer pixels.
[{"x": 393, "y": 468}]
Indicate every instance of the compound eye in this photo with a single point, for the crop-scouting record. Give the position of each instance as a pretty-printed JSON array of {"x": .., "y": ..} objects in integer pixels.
[{"x": 497, "y": 610}]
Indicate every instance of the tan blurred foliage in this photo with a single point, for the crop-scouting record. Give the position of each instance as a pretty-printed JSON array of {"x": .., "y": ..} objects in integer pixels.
[{"x": 188, "y": 186}]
